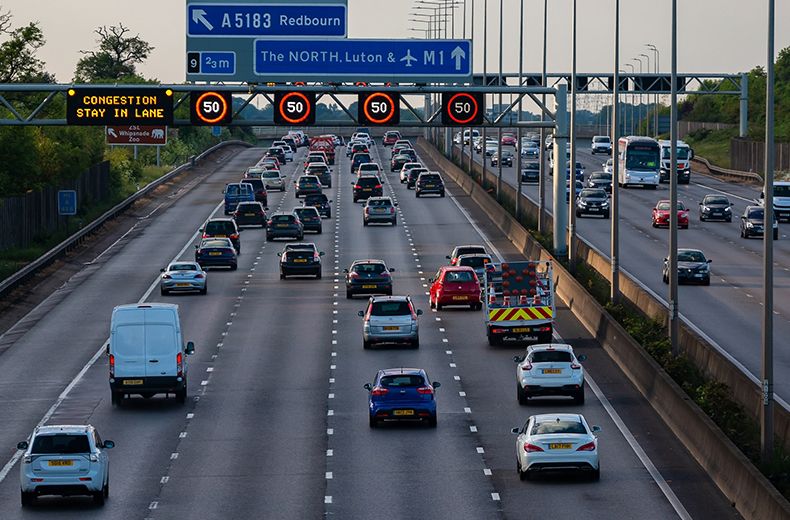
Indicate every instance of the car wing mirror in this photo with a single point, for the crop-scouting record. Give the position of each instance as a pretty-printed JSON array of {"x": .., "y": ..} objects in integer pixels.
[
  {"x": 161, "y": 270},
  {"x": 581, "y": 358},
  {"x": 279, "y": 254},
  {"x": 515, "y": 431},
  {"x": 108, "y": 445},
  {"x": 430, "y": 280},
  {"x": 190, "y": 349},
  {"x": 321, "y": 253},
  {"x": 22, "y": 445},
  {"x": 391, "y": 269},
  {"x": 596, "y": 429},
  {"x": 419, "y": 312},
  {"x": 367, "y": 387},
  {"x": 517, "y": 359},
  {"x": 361, "y": 314},
  {"x": 345, "y": 271},
  {"x": 447, "y": 257},
  {"x": 709, "y": 260},
  {"x": 436, "y": 384},
  {"x": 197, "y": 246}
]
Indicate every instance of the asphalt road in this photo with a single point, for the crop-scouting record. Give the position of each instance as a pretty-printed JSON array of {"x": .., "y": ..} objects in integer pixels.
[
  {"x": 729, "y": 311},
  {"x": 276, "y": 423}
]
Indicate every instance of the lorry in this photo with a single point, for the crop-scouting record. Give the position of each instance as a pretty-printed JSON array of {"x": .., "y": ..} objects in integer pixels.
[
  {"x": 519, "y": 301},
  {"x": 685, "y": 154},
  {"x": 326, "y": 144},
  {"x": 781, "y": 200}
]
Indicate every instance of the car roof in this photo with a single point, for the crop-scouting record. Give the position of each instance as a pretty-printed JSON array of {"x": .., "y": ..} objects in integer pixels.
[
  {"x": 404, "y": 370},
  {"x": 380, "y": 198},
  {"x": 469, "y": 245},
  {"x": 304, "y": 208},
  {"x": 281, "y": 214},
  {"x": 456, "y": 268},
  {"x": 689, "y": 250},
  {"x": 63, "y": 428},
  {"x": 183, "y": 262},
  {"x": 543, "y": 347}
]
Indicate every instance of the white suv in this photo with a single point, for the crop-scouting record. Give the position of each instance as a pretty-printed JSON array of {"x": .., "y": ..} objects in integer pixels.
[
  {"x": 549, "y": 369},
  {"x": 65, "y": 460},
  {"x": 601, "y": 144}
]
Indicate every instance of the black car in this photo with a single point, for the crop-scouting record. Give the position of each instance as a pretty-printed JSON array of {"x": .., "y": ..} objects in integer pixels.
[
  {"x": 507, "y": 158},
  {"x": 429, "y": 182},
  {"x": 368, "y": 277},
  {"x": 310, "y": 218},
  {"x": 753, "y": 223},
  {"x": 306, "y": 185},
  {"x": 322, "y": 171},
  {"x": 357, "y": 159},
  {"x": 284, "y": 225},
  {"x": 692, "y": 267},
  {"x": 600, "y": 180},
  {"x": 250, "y": 214},
  {"x": 290, "y": 141},
  {"x": 715, "y": 206},
  {"x": 413, "y": 175},
  {"x": 379, "y": 209},
  {"x": 592, "y": 201},
  {"x": 357, "y": 148},
  {"x": 304, "y": 259},
  {"x": 367, "y": 186},
  {"x": 222, "y": 228},
  {"x": 276, "y": 151},
  {"x": 530, "y": 172},
  {"x": 216, "y": 252},
  {"x": 320, "y": 202},
  {"x": 398, "y": 160},
  {"x": 410, "y": 153},
  {"x": 261, "y": 195}
]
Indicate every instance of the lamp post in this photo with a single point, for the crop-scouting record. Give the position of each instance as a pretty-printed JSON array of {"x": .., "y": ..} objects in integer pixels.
[
  {"x": 639, "y": 109},
  {"x": 674, "y": 325},
  {"x": 614, "y": 243},
  {"x": 499, "y": 130},
  {"x": 542, "y": 149},
  {"x": 647, "y": 97},
  {"x": 631, "y": 128},
  {"x": 657, "y": 68},
  {"x": 520, "y": 108},
  {"x": 572, "y": 170}
]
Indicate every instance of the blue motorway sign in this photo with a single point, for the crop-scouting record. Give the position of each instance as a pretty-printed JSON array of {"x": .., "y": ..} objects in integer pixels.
[
  {"x": 67, "y": 202},
  {"x": 266, "y": 19},
  {"x": 363, "y": 60}
]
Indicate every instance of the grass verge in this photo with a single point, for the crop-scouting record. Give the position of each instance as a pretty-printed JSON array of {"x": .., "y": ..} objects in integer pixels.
[{"x": 714, "y": 145}]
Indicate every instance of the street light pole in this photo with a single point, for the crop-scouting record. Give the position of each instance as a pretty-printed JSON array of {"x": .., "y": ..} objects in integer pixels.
[
  {"x": 614, "y": 245},
  {"x": 519, "y": 130},
  {"x": 658, "y": 68},
  {"x": 572, "y": 175},
  {"x": 647, "y": 97},
  {"x": 767, "y": 417},
  {"x": 542, "y": 149},
  {"x": 641, "y": 94},
  {"x": 673, "y": 190},
  {"x": 499, "y": 130},
  {"x": 485, "y": 82},
  {"x": 631, "y": 127},
  {"x": 471, "y": 129}
]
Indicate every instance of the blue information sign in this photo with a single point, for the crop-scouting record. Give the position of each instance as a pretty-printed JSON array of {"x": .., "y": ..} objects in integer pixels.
[
  {"x": 394, "y": 60},
  {"x": 270, "y": 20},
  {"x": 220, "y": 63},
  {"x": 67, "y": 202}
]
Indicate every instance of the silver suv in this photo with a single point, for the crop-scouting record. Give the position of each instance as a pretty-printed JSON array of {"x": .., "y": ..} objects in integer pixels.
[
  {"x": 549, "y": 369},
  {"x": 65, "y": 460},
  {"x": 390, "y": 319}
]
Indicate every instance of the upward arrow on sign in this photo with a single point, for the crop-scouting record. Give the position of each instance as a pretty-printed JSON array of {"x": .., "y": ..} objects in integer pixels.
[
  {"x": 199, "y": 16},
  {"x": 458, "y": 54}
]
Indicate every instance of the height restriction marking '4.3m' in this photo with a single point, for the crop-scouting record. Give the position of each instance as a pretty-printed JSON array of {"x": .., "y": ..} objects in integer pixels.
[
  {"x": 364, "y": 60},
  {"x": 270, "y": 20}
]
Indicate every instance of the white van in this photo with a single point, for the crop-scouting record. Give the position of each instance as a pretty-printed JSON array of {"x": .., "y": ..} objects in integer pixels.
[{"x": 146, "y": 353}]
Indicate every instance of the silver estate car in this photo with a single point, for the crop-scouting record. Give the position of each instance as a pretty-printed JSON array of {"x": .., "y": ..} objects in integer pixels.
[
  {"x": 183, "y": 276},
  {"x": 549, "y": 369},
  {"x": 390, "y": 319},
  {"x": 64, "y": 460}
]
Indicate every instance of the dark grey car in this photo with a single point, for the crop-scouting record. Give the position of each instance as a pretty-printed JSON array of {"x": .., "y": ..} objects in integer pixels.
[
  {"x": 592, "y": 201},
  {"x": 715, "y": 207},
  {"x": 368, "y": 277},
  {"x": 753, "y": 223},
  {"x": 284, "y": 225}
]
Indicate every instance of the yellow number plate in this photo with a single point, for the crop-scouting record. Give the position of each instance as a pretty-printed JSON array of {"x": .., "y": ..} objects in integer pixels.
[
  {"x": 300, "y": 260},
  {"x": 521, "y": 329},
  {"x": 61, "y": 462},
  {"x": 559, "y": 446},
  {"x": 552, "y": 371},
  {"x": 390, "y": 327},
  {"x": 220, "y": 236},
  {"x": 182, "y": 285},
  {"x": 460, "y": 297},
  {"x": 249, "y": 214},
  {"x": 282, "y": 225},
  {"x": 132, "y": 382},
  {"x": 368, "y": 286},
  {"x": 403, "y": 412},
  {"x": 214, "y": 253}
]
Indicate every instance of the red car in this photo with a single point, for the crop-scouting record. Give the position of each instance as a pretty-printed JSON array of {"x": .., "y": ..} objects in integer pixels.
[
  {"x": 391, "y": 137},
  {"x": 661, "y": 214},
  {"x": 508, "y": 140},
  {"x": 455, "y": 285}
]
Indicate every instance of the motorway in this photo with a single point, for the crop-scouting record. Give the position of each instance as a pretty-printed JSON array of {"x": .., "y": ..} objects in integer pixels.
[
  {"x": 276, "y": 426},
  {"x": 729, "y": 311}
]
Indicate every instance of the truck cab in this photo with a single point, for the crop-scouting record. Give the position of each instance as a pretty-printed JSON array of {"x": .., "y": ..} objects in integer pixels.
[
  {"x": 781, "y": 200},
  {"x": 685, "y": 154}
]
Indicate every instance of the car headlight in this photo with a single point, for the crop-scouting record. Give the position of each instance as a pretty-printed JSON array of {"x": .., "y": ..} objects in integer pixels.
[
  {"x": 727, "y": 210},
  {"x": 605, "y": 204},
  {"x": 704, "y": 209},
  {"x": 582, "y": 203},
  {"x": 749, "y": 225}
]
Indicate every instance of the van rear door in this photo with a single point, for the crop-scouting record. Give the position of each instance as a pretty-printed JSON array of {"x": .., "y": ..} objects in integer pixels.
[
  {"x": 161, "y": 343},
  {"x": 127, "y": 345}
]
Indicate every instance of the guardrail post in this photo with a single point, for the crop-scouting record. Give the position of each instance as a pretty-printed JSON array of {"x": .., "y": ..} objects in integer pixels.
[{"x": 559, "y": 188}]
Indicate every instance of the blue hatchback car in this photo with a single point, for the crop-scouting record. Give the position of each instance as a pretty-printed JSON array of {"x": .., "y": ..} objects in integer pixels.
[{"x": 402, "y": 394}]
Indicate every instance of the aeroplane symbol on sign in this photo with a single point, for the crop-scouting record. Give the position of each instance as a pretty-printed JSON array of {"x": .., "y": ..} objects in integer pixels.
[{"x": 408, "y": 58}]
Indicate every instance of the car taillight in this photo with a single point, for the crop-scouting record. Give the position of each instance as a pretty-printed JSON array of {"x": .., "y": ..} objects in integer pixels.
[
  {"x": 199, "y": 276},
  {"x": 379, "y": 391},
  {"x": 392, "y": 210},
  {"x": 367, "y": 210},
  {"x": 425, "y": 390},
  {"x": 590, "y": 446},
  {"x": 205, "y": 235},
  {"x": 377, "y": 186},
  {"x": 179, "y": 364},
  {"x": 353, "y": 276},
  {"x": 527, "y": 367},
  {"x": 166, "y": 276},
  {"x": 574, "y": 366},
  {"x": 316, "y": 258},
  {"x": 112, "y": 365},
  {"x": 529, "y": 448},
  {"x": 269, "y": 223},
  {"x": 234, "y": 236}
]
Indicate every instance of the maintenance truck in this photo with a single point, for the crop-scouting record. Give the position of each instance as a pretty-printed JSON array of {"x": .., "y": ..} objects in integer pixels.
[{"x": 519, "y": 301}]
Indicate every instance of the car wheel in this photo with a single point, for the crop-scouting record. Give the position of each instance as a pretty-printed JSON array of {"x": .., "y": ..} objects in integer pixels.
[
  {"x": 372, "y": 422},
  {"x": 578, "y": 214},
  {"x": 364, "y": 222},
  {"x": 282, "y": 276},
  {"x": 701, "y": 218},
  {"x": 494, "y": 341},
  {"x": 438, "y": 305},
  {"x": 432, "y": 422},
  {"x": 318, "y": 275},
  {"x": 98, "y": 498},
  {"x": 596, "y": 474},
  {"x": 522, "y": 475},
  {"x": 776, "y": 235},
  {"x": 441, "y": 195},
  {"x": 579, "y": 397},
  {"x": 349, "y": 295},
  {"x": 320, "y": 231},
  {"x": 204, "y": 290},
  {"x": 27, "y": 498},
  {"x": 706, "y": 281},
  {"x": 521, "y": 395},
  {"x": 162, "y": 292},
  {"x": 233, "y": 267},
  {"x": 654, "y": 224},
  {"x": 394, "y": 222},
  {"x": 181, "y": 395},
  {"x": 729, "y": 219},
  {"x": 106, "y": 488},
  {"x": 415, "y": 343}
]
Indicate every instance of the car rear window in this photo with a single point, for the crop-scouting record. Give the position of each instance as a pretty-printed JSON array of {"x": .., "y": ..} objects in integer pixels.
[
  {"x": 469, "y": 251},
  {"x": 248, "y": 206},
  {"x": 396, "y": 308},
  {"x": 475, "y": 261},
  {"x": 184, "y": 267},
  {"x": 551, "y": 356},
  {"x": 306, "y": 212},
  {"x": 283, "y": 218},
  {"x": 379, "y": 202},
  {"x": 257, "y": 184},
  {"x": 558, "y": 426},
  {"x": 368, "y": 181},
  {"x": 459, "y": 276},
  {"x": 416, "y": 172},
  {"x": 313, "y": 199},
  {"x": 368, "y": 268},
  {"x": 61, "y": 443},
  {"x": 596, "y": 194},
  {"x": 690, "y": 256},
  {"x": 219, "y": 228},
  {"x": 215, "y": 243},
  {"x": 430, "y": 178},
  {"x": 270, "y": 174},
  {"x": 402, "y": 380}
]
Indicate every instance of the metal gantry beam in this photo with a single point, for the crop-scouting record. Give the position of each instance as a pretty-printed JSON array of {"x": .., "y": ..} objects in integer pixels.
[{"x": 20, "y": 104}]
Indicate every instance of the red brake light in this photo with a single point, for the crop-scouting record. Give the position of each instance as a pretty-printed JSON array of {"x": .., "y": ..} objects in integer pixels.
[
  {"x": 590, "y": 446},
  {"x": 179, "y": 364},
  {"x": 199, "y": 276},
  {"x": 392, "y": 210},
  {"x": 575, "y": 366},
  {"x": 529, "y": 448},
  {"x": 379, "y": 391},
  {"x": 425, "y": 390},
  {"x": 527, "y": 367},
  {"x": 269, "y": 223},
  {"x": 112, "y": 365},
  {"x": 353, "y": 275},
  {"x": 377, "y": 186},
  {"x": 234, "y": 235}
]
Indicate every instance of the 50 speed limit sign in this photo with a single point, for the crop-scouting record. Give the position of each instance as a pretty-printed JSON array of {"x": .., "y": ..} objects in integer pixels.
[
  {"x": 462, "y": 108},
  {"x": 294, "y": 108},
  {"x": 379, "y": 108},
  {"x": 211, "y": 108}
]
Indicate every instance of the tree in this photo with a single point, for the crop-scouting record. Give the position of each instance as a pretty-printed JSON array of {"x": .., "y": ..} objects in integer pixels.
[
  {"x": 18, "y": 62},
  {"x": 117, "y": 57}
]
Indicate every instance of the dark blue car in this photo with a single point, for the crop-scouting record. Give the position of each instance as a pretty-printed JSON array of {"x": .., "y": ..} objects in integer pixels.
[{"x": 402, "y": 394}]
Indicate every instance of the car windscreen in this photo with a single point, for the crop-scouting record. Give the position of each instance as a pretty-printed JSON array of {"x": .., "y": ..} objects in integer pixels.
[
  {"x": 756, "y": 213},
  {"x": 551, "y": 356},
  {"x": 558, "y": 426},
  {"x": 219, "y": 228},
  {"x": 257, "y": 184},
  {"x": 644, "y": 157},
  {"x": 593, "y": 194},
  {"x": 683, "y": 153},
  {"x": 600, "y": 139},
  {"x": 716, "y": 199},
  {"x": 459, "y": 276},
  {"x": 61, "y": 443},
  {"x": 368, "y": 181},
  {"x": 601, "y": 176},
  {"x": 271, "y": 174},
  {"x": 248, "y": 206},
  {"x": 430, "y": 178},
  {"x": 368, "y": 268},
  {"x": 531, "y": 166},
  {"x": 782, "y": 191},
  {"x": 690, "y": 256},
  {"x": 308, "y": 180},
  {"x": 402, "y": 380},
  {"x": 473, "y": 261},
  {"x": 315, "y": 199},
  {"x": 390, "y": 308},
  {"x": 415, "y": 172}
]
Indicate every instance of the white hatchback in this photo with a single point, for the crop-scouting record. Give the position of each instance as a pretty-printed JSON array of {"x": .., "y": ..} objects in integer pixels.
[
  {"x": 65, "y": 460},
  {"x": 557, "y": 442},
  {"x": 549, "y": 369}
]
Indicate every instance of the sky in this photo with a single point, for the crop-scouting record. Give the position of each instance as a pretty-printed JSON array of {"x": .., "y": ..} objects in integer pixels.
[{"x": 714, "y": 36}]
